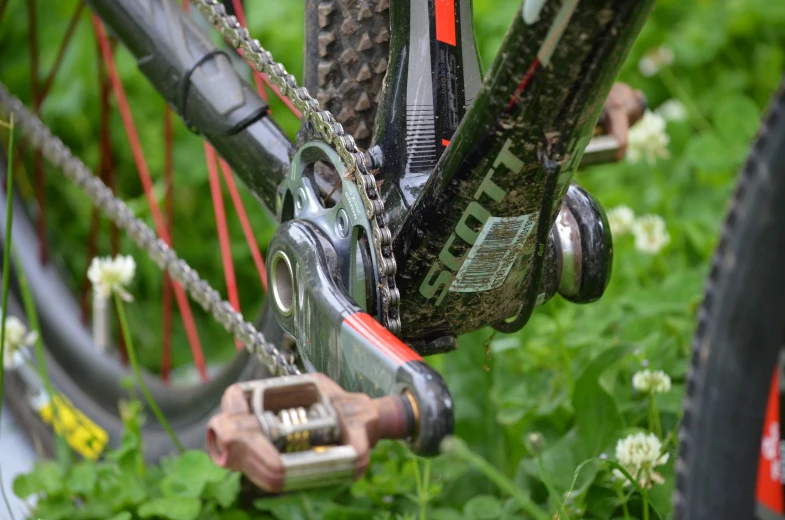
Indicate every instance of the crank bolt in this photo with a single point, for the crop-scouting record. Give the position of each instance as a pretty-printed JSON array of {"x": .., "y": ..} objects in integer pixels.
[{"x": 342, "y": 224}]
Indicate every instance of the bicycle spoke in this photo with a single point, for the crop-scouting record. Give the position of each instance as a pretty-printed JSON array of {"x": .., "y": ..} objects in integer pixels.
[
  {"x": 92, "y": 240},
  {"x": 223, "y": 231},
  {"x": 166, "y": 297},
  {"x": 238, "y": 7},
  {"x": 69, "y": 34},
  {"x": 239, "y": 207},
  {"x": 144, "y": 175},
  {"x": 38, "y": 163}
]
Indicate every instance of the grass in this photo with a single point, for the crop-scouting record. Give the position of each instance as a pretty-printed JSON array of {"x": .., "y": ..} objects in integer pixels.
[{"x": 567, "y": 375}]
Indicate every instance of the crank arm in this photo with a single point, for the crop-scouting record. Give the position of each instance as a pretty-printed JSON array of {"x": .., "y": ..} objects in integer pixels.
[{"x": 334, "y": 336}]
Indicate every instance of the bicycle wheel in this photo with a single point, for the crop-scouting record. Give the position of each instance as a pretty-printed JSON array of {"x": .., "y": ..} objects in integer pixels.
[
  {"x": 737, "y": 340},
  {"x": 93, "y": 383}
]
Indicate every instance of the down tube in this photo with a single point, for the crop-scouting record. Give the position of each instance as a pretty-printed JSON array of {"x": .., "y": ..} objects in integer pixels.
[
  {"x": 470, "y": 250},
  {"x": 197, "y": 79}
]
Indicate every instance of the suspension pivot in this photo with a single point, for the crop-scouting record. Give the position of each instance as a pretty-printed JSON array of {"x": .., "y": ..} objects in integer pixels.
[{"x": 303, "y": 431}]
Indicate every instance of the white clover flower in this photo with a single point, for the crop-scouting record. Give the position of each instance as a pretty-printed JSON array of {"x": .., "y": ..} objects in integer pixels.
[
  {"x": 110, "y": 275},
  {"x": 17, "y": 337},
  {"x": 651, "y": 382},
  {"x": 621, "y": 220},
  {"x": 672, "y": 110},
  {"x": 655, "y": 60},
  {"x": 648, "y": 139},
  {"x": 650, "y": 234},
  {"x": 639, "y": 454}
]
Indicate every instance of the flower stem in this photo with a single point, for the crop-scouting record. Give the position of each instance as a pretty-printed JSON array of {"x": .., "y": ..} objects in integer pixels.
[
  {"x": 679, "y": 92},
  {"x": 623, "y": 502},
  {"x": 9, "y": 215},
  {"x": 138, "y": 374},
  {"x": 551, "y": 490},
  {"x": 654, "y": 417},
  {"x": 565, "y": 355},
  {"x": 422, "y": 486},
  {"x": 62, "y": 449},
  {"x": 458, "y": 448},
  {"x": 645, "y": 505}
]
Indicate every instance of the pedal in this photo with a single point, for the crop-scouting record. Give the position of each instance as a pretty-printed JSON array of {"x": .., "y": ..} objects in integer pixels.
[
  {"x": 303, "y": 431},
  {"x": 602, "y": 149}
]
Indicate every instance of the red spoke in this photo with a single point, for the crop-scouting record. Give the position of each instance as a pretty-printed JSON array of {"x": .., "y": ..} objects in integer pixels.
[
  {"x": 38, "y": 162},
  {"x": 283, "y": 98},
  {"x": 166, "y": 300},
  {"x": 69, "y": 33},
  {"x": 144, "y": 175},
  {"x": 223, "y": 229},
  {"x": 244, "y": 222}
]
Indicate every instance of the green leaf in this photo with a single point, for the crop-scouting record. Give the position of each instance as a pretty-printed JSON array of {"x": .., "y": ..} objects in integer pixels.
[
  {"x": 235, "y": 514},
  {"x": 46, "y": 477},
  {"x": 596, "y": 412},
  {"x": 444, "y": 513},
  {"x": 59, "y": 508},
  {"x": 198, "y": 465},
  {"x": 708, "y": 152},
  {"x": 124, "y": 515},
  {"x": 736, "y": 118},
  {"x": 171, "y": 508},
  {"x": 340, "y": 512},
  {"x": 483, "y": 507},
  {"x": 288, "y": 507},
  {"x": 224, "y": 492},
  {"x": 25, "y": 485},
  {"x": 82, "y": 477},
  {"x": 190, "y": 473}
]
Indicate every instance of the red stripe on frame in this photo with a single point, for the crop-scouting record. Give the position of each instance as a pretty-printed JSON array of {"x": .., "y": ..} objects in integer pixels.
[
  {"x": 383, "y": 339},
  {"x": 524, "y": 82},
  {"x": 445, "y": 142},
  {"x": 445, "y": 21}
]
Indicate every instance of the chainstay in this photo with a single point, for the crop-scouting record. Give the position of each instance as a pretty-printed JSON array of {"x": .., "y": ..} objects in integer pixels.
[
  {"x": 56, "y": 152},
  {"x": 332, "y": 132}
]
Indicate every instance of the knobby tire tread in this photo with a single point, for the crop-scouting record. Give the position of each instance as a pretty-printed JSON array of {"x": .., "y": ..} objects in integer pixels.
[
  {"x": 737, "y": 340},
  {"x": 347, "y": 47}
]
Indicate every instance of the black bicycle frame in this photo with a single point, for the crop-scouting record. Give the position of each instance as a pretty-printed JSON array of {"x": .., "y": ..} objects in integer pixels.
[{"x": 473, "y": 174}]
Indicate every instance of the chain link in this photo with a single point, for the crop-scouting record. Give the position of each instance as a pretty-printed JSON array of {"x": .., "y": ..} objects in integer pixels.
[
  {"x": 42, "y": 139},
  {"x": 332, "y": 132}
]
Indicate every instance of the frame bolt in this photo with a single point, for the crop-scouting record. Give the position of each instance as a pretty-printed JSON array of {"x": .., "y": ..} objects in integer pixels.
[{"x": 299, "y": 202}]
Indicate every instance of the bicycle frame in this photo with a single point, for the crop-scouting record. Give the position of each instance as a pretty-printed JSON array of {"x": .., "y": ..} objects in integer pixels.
[{"x": 469, "y": 171}]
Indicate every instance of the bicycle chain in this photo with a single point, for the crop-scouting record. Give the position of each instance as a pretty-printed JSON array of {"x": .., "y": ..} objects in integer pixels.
[
  {"x": 333, "y": 134},
  {"x": 56, "y": 152}
]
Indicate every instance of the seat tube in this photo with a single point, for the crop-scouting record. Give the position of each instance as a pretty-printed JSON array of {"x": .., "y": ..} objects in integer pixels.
[{"x": 433, "y": 77}]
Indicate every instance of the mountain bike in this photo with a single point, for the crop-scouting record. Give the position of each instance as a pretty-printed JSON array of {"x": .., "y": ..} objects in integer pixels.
[{"x": 460, "y": 213}]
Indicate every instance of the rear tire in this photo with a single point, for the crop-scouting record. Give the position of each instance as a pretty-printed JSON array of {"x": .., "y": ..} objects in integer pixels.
[{"x": 737, "y": 341}]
